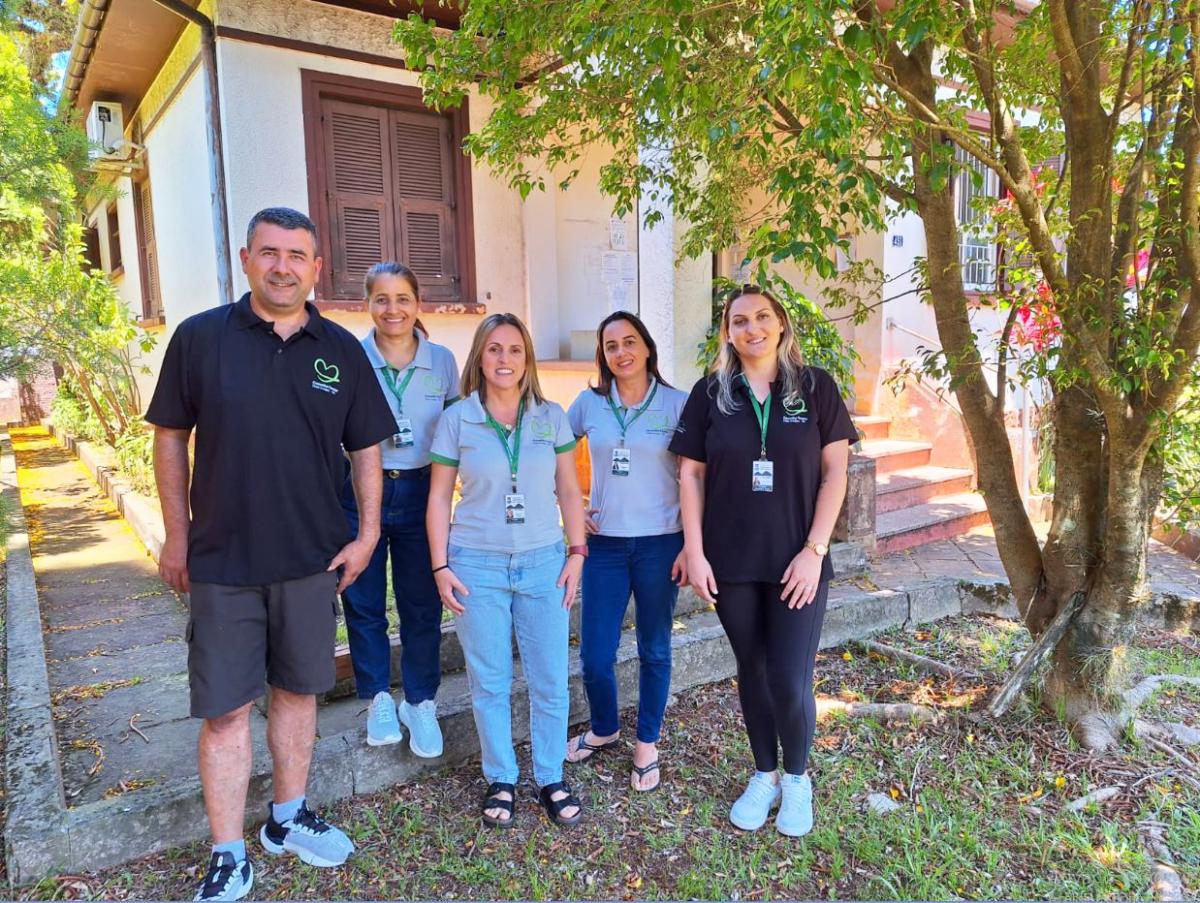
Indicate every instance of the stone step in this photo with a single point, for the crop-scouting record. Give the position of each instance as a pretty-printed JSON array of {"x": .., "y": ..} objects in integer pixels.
[
  {"x": 891, "y": 455},
  {"x": 849, "y": 559},
  {"x": 872, "y": 426},
  {"x": 109, "y": 831},
  {"x": 917, "y": 485},
  {"x": 938, "y": 519}
]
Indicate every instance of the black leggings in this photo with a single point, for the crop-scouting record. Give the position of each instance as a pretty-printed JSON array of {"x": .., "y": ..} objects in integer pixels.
[{"x": 776, "y": 649}]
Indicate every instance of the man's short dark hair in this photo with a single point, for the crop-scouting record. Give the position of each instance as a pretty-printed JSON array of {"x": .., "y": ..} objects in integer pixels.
[{"x": 285, "y": 218}]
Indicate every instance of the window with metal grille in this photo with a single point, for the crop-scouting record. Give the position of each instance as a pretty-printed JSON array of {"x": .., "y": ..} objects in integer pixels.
[
  {"x": 387, "y": 180},
  {"x": 976, "y": 187}
]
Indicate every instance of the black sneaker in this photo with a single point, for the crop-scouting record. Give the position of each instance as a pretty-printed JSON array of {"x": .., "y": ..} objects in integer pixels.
[
  {"x": 227, "y": 879},
  {"x": 309, "y": 836}
]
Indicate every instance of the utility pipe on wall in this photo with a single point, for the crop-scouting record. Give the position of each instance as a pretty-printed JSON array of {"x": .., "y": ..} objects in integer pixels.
[{"x": 216, "y": 152}]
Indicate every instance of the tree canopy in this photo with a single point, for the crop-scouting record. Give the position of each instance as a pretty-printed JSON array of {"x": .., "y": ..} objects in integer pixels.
[{"x": 780, "y": 126}]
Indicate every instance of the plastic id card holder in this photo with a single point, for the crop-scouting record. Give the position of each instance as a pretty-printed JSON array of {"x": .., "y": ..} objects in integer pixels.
[
  {"x": 762, "y": 476},
  {"x": 403, "y": 437},
  {"x": 514, "y": 508},
  {"x": 620, "y": 462}
]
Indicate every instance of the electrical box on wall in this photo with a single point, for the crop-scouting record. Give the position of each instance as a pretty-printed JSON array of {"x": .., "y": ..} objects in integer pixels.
[{"x": 105, "y": 130}]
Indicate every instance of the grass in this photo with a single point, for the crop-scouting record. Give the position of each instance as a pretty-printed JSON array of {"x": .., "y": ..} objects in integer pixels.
[
  {"x": 981, "y": 810},
  {"x": 6, "y": 514}
]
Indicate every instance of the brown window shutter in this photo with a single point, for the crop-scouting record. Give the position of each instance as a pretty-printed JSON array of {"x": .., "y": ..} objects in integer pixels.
[
  {"x": 152, "y": 305},
  {"x": 425, "y": 195},
  {"x": 359, "y": 191}
]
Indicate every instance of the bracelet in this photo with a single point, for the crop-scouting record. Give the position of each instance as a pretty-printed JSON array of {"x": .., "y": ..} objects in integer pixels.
[{"x": 444, "y": 567}]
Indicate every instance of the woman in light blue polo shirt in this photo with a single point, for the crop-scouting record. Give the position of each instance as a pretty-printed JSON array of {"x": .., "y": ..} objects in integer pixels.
[
  {"x": 418, "y": 379},
  {"x": 636, "y": 542},
  {"x": 500, "y": 566}
]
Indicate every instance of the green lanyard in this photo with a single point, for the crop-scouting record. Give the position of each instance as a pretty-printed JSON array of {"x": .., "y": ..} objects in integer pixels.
[
  {"x": 636, "y": 414},
  {"x": 390, "y": 375},
  {"x": 762, "y": 413},
  {"x": 513, "y": 452}
]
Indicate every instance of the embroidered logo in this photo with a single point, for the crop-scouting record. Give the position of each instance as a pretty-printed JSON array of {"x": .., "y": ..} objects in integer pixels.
[
  {"x": 328, "y": 375},
  {"x": 796, "y": 414},
  {"x": 541, "y": 429},
  {"x": 434, "y": 385},
  {"x": 659, "y": 422}
]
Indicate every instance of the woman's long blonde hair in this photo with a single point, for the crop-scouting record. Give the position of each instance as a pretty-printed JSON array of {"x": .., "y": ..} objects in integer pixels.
[
  {"x": 728, "y": 366},
  {"x": 472, "y": 375}
]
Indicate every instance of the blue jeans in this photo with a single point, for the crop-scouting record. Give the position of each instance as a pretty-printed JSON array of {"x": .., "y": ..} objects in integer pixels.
[
  {"x": 616, "y": 566},
  {"x": 402, "y": 535},
  {"x": 510, "y": 593}
]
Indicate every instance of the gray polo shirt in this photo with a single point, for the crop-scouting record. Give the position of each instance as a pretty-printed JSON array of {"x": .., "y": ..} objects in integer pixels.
[
  {"x": 645, "y": 502},
  {"x": 433, "y": 386},
  {"x": 465, "y": 440}
]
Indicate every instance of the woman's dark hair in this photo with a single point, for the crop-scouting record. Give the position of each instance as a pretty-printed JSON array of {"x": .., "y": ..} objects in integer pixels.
[
  {"x": 604, "y": 386},
  {"x": 392, "y": 268}
]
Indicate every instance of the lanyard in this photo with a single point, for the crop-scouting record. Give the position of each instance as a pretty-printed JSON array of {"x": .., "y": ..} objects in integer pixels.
[
  {"x": 513, "y": 452},
  {"x": 625, "y": 425},
  {"x": 390, "y": 375},
  {"x": 762, "y": 413}
]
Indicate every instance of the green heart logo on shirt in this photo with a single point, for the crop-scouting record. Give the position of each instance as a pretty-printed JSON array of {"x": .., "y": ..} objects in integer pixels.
[
  {"x": 434, "y": 383},
  {"x": 326, "y": 373},
  {"x": 541, "y": 428}
]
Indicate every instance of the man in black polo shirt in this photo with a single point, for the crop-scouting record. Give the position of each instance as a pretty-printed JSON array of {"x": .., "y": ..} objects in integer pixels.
[{"x": 275, "y": 392}]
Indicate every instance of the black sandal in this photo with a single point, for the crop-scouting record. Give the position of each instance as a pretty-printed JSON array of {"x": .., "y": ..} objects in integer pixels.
[
  {"x": 555, "y": 807},
  {"x": 641, "y": 771},
  {"x": 581, "y": 744},
  {"x": 493, "y": 801}
]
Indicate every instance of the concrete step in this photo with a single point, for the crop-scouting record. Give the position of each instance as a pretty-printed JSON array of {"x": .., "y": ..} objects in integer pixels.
[
  {"x": 917, "y": 485},
  {"x": 895, "y": 454},
  {"x": 109, "y": 831},
  {"x": 938, "y": 519},
  {"x": 849, "y": 559},
  {"x": 872, "y": 426}
]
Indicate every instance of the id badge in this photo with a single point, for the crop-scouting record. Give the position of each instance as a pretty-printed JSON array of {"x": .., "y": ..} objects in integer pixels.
[
  {"x": 620, "y": 462},
  {"x": 762, "y": 476},
  {"x": 514, "y": 508},
  {"x": 403, "y": 437}
]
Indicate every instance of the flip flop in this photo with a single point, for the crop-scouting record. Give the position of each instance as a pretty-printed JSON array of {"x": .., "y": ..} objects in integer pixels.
[
  {"x": 581, "y": 744},
  {"x": 640, "y": 771}
]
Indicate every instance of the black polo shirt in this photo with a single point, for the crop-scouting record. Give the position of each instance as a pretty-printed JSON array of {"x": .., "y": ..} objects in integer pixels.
[
  {"x": 752, "y": 536},
  {"x": 271, "y": 420}
]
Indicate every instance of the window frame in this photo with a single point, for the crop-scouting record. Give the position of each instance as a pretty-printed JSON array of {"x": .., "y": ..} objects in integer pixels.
[
  {"x": 317, "y": 86},
  {"x": 112, "y": 236},
  {"x": 150, "y": 316}
]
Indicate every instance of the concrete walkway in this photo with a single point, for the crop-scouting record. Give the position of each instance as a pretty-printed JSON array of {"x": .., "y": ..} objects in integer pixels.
[{"x": 116, "y": 660}]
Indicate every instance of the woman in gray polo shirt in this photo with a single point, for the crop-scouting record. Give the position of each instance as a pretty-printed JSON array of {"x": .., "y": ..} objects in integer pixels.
[
  {"x": 418, "y": 379},
  {"x": 500, "y": 566},
  {"x": 636, "y": 541}
]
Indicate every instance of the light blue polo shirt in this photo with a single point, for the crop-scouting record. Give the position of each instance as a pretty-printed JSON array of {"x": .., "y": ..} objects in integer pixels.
[
  {"x": 465, "y": 440},
  {"x": 433, "y": 386},
  {"x": 646, "y": 501}
]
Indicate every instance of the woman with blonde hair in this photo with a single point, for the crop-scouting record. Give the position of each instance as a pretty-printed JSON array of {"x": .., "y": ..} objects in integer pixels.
[
  {"x": 500, "y": 565},
  {"x": 764, "y": 450}
]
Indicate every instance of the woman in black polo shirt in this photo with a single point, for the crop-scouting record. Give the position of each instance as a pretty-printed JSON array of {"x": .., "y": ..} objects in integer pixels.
[{"x": 764, "y": 447}]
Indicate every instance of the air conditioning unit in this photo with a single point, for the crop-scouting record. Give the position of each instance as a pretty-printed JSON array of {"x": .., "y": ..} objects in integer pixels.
[{"x": 105, "y": 130}]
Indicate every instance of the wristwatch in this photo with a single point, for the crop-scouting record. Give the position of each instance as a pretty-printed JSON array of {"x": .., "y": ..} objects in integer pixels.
[
  {"x": 819, "y": 547},
  {"x": 577, "y": 550}
]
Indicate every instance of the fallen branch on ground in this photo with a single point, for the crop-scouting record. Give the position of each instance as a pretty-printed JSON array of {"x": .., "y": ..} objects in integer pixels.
[
  {"x": 1178, "y": 757},
  {"x": 1165, "y": 883},
  {"x": 884, "y": 711},
  {"x": 1008, "y": 693},
  {"x": 1096, "y": 796},
  {"x": 920, "y": 662}
]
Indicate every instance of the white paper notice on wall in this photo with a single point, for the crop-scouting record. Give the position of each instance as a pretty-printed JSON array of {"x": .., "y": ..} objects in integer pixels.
[
  {"x": 618, "y": 297},
  {"x": 629, "y": 273},
  {"x": 610, "y": 268},
  {"x": 618, "y": 235}
]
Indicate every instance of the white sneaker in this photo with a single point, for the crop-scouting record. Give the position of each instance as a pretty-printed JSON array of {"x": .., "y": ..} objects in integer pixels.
[
  {"x": 382, "y": 727},
  {"x": 754, "y": 806},
  {"x": 424, "y": 735}
]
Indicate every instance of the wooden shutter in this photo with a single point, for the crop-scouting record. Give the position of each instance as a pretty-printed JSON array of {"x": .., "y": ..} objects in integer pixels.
[
  {"x": 424, "y": 184},
  {"x": 358, "y": 190},
  {"x": 152, "y": 305}
]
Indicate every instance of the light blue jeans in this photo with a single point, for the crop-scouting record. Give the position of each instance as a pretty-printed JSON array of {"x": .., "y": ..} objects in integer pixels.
[{"x": 515, "y": 593}]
